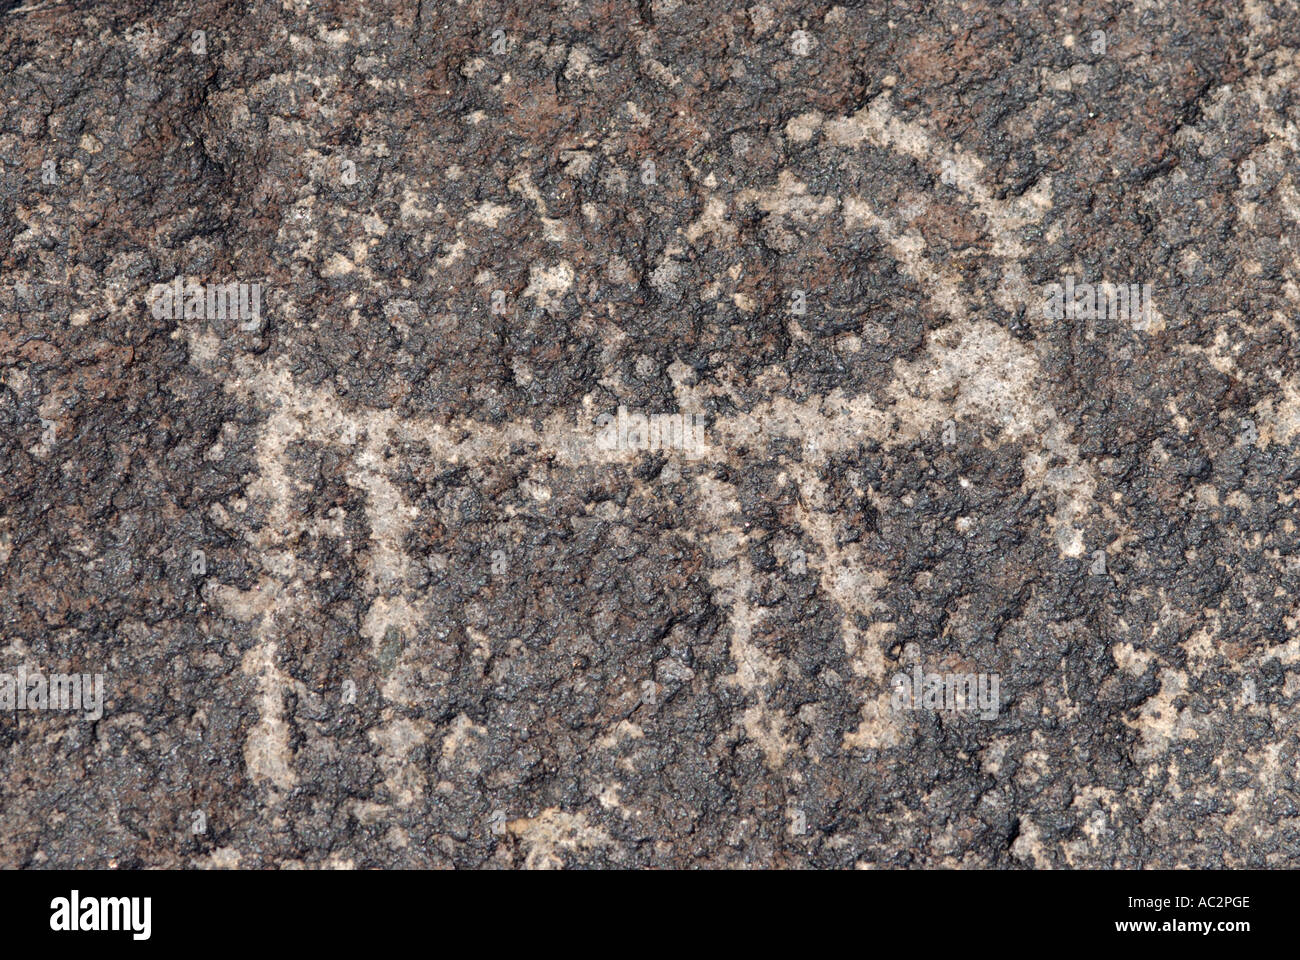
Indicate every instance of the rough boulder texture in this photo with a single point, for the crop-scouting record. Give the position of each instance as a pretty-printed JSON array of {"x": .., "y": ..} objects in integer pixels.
[{"x": 650, "y": 434}]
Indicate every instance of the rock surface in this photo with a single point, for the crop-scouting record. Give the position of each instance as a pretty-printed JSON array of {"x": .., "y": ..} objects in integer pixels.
[{"x": 373, "y": 578}]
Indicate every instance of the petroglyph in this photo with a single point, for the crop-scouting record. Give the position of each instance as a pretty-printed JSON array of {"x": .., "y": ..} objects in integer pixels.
[{"x": 973, "y": 371}]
